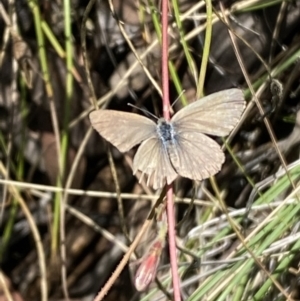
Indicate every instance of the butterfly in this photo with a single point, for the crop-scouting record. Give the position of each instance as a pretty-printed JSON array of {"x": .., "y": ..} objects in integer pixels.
[{"x": 176, "y": 147}]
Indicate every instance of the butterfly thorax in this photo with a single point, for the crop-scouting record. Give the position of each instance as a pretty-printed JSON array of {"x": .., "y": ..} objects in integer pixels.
[
  {"x": 168, "y": 136},
  {"x": 165, "y": 131}
]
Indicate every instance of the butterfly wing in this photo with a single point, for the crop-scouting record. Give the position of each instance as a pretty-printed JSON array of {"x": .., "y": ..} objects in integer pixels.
[
  {"x": 123, "y": 130},
  {"x": 215, "y": 114},
  {"x": 152, "y": 160},
  {"x": 198, "y": 156}
]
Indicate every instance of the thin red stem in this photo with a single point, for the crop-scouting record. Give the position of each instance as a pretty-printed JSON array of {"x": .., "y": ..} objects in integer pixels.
[
  {"x": 172, "y": 243},
  {"x": 166, "y": 113},
  {"x": 164, "y": 63}
]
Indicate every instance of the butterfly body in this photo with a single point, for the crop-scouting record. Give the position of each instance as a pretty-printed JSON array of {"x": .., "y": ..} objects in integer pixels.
[
  {"x": 167, "y": 135},
  {"x": 165, "y": 130},
  {"x": 179, "y": 146}
]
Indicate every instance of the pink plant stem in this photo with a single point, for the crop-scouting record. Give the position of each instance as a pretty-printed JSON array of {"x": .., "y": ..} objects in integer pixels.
[
  {"x": 164, "y": 63},
  {"x": 166, "y": 112},
  {"x": 172, "y": 243}
]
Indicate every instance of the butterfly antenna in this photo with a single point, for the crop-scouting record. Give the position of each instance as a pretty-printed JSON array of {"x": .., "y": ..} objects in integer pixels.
[{"x": 146, "y": 112}]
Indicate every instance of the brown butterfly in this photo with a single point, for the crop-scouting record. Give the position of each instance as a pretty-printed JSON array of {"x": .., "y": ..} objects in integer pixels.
[{"x": 175, "y": 147}]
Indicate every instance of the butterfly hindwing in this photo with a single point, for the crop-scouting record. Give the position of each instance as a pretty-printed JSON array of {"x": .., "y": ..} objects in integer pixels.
[
  {"x": 199, "y": 157},
  {"x": 123, "y": 130},
  {"x": 152, "y": 160},
  {"x": 215, "y": 114}
]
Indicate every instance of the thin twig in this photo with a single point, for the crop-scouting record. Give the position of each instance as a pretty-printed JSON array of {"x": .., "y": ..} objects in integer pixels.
[
  {"x": 118, "y": 191},
  {"x": 97, "y": 194},
  {"x": 123, "y": 262}
]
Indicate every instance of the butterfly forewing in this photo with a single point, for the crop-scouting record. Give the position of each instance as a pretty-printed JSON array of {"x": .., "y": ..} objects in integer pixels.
[
  {"x": 123, "y": 130},
  {"x": 199, "y": 156},
  {"x": 215, "y": 114},
  {"x": 152, "y": 160}
]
